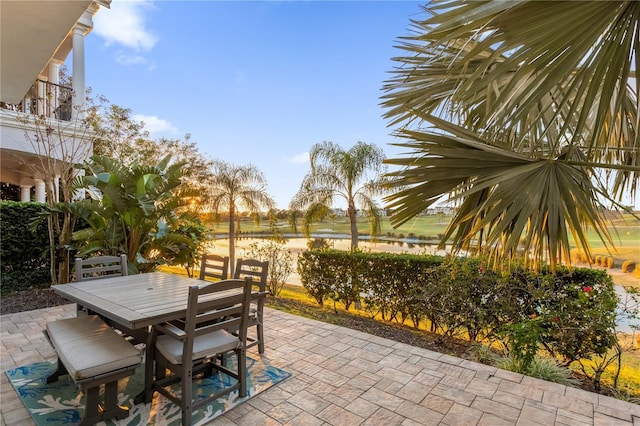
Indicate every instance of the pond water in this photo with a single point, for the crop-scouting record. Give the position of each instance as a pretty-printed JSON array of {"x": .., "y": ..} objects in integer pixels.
[
  {"x": 627, "y": 301},
  {"x": 296, "y": 245}
]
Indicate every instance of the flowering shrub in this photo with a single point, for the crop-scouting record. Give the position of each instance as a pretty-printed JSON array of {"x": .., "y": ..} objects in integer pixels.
[
  {"x": 578, "y": 308},
  {"x": 569, "y": 313},
  {"x": 280, "y": 262},
  {"x": 462, "y": 298}
]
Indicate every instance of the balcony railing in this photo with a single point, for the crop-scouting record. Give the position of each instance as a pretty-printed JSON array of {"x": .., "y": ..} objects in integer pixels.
[{"x": 45, "y": 99}]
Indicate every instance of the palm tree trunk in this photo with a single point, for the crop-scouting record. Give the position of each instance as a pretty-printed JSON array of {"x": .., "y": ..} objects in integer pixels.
[
  {"x": 63, "y": 257},
  {"x": 52, "y": 250},
  {"x": 352, "y": 212},
  {"x": 232, "y": 239}
]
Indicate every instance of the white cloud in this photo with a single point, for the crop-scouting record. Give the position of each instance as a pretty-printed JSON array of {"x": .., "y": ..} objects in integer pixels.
[
  {"x": 125, "y": 59},
  {"x": 124, "y": 24},
  {"x": 156, "y": 126},
  {"x": 299, "y": 158}
]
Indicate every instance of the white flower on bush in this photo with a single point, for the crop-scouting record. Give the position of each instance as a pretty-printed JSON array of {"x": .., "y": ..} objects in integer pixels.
[{"x": 280, "y": 262}]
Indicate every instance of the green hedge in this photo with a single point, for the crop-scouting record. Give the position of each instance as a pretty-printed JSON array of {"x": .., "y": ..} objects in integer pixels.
[
  {"x": 571, "y": 313},
  {"x": 24, "y": 252}
]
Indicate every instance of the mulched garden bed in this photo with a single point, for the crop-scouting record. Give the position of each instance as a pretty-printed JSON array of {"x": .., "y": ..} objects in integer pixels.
[{"x": 31, "y": 299}]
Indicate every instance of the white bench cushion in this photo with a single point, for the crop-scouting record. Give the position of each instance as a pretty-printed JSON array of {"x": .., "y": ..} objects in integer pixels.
[
  {"x": 88, "y": 347},
  {"x": 209, "y": 344}
]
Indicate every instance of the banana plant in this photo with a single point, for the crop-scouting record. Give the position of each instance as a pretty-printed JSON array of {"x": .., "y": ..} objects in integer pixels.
[{"x": 139, "y": 210}]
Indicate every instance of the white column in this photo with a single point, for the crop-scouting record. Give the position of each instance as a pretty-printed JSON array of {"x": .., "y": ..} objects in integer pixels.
[
  {"x": 25, "y": 193},
  {"x": 41, "y": 98},
  {"x": 54, "y": 71},
  {"x": 78, "y": 72},
  {"x": 54, "y": 77},
  {"x": 41, "y": 192},
  {"x": 56, "y": 188},
  {"x": 26, "y": 105}
]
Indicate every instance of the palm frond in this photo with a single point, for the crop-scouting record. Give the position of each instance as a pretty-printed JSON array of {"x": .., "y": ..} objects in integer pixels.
[
  {"x": 536, "y": 109},
  {"x": 511, "y": 79},
  {"x": 510, "y": 205}
]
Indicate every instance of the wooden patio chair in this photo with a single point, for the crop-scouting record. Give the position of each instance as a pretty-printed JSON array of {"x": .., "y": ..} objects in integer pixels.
[
  {"x": 98, "y": 267},
  {"x": 101, "y": 267},
  {"x": 214, "y": 267},
  {"x": 258, "y": 272},
  {"x": 191, "y": 346}
]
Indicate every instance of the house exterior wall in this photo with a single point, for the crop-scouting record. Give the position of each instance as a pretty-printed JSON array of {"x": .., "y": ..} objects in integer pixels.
[{"x": 36, "y": 134}]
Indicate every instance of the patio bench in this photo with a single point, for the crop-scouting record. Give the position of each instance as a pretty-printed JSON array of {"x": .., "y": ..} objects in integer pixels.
[{"x": 93, "y": 354}]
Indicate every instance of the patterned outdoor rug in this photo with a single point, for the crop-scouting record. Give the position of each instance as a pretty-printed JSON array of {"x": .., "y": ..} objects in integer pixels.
[{"x": 60, "y": 403}]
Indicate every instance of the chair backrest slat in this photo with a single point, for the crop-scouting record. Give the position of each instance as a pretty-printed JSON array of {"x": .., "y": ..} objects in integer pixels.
[
  {"x": 208, "y": 316},
  {"x": 100, "y": 267},
  {"x": 228, "y": 323},
  {"x": 214, "y": 267},
  {"x": 256, "y": 270},
  {"x": 228, "y": 302}
]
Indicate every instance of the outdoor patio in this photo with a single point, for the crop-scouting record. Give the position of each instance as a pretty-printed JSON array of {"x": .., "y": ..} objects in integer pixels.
[{"x": 346, "y": 377}]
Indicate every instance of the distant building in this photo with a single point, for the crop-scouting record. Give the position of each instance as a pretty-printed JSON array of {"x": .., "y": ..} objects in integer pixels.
[
  {"x": 339, "y": 212},
  {"x": 439, "y": 209}
]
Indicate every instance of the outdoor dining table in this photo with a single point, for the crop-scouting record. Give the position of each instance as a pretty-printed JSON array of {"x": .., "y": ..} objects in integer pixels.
[{"x": 135, "y": 301}]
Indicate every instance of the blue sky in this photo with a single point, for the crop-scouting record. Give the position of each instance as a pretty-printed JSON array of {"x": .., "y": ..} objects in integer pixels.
[{"x": 252, "y": 82}]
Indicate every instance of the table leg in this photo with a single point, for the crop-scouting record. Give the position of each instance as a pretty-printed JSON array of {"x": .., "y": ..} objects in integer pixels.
[{"x": 146, "y": 395}]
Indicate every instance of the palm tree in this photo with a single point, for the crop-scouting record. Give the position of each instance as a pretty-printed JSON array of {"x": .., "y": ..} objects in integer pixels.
[
  {"x": 235, "y": 187},
  {"x": 354, "y": 175},
  {"x": 524, "y": 112}
]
